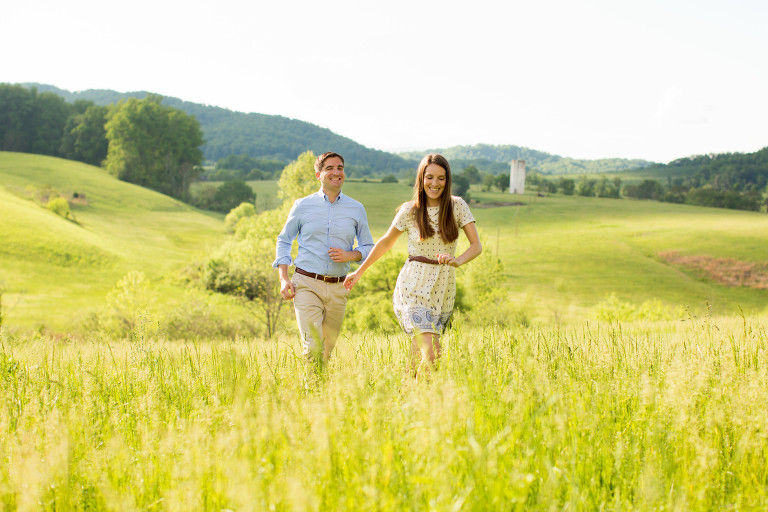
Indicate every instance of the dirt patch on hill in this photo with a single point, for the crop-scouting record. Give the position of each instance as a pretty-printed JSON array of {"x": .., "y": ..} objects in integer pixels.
[
  {"x": 726, "y": 271},
  {"x": 495, "y": 204}
]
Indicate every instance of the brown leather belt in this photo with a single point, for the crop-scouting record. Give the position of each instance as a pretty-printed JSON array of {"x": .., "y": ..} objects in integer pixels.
[
  {"x": 422, "y": 259},
  {"x": 320, "y": 277}
]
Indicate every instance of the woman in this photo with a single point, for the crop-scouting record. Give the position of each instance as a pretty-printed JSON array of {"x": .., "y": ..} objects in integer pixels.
[{"x": 426, "y": 287}]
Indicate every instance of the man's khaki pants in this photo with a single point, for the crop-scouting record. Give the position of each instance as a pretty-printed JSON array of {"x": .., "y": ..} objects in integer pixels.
[{"x": 319, "y": 308}]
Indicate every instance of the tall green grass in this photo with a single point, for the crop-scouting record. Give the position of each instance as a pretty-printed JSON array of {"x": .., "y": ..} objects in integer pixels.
[{"x": 639, "y": 416}]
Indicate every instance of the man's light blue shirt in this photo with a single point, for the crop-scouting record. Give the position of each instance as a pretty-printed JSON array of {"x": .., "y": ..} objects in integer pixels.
[{"x": 319, "y": 225}]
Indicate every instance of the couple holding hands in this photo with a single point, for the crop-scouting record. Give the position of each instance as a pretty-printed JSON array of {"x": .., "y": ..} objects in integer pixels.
[{"x": 327, "y": 223}]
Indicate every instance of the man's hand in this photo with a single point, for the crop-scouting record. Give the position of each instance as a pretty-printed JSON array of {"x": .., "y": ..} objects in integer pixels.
[
  {"x": 287, "y": 289},
  {"x": 342, "y": 256}
]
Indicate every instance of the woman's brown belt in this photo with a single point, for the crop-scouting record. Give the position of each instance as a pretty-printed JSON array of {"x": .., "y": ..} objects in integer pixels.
[{"x": 422, "y": 259}]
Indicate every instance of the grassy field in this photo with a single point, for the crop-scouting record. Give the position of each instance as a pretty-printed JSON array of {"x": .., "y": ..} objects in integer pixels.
[
  {"x": 566, "y": 412},
  {"x": 562, "y": 255},
  {"x": 565, "y": 254},
  {"x": 639, "y": 416}
]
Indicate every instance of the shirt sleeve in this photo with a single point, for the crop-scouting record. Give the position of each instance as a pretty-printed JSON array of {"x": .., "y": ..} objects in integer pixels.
[
  {"x": 363, "y": 234},
  {"x": 403, "y": 217},
  {"x": 461, "y": 212},
  {"x": 286, "y": 237}
]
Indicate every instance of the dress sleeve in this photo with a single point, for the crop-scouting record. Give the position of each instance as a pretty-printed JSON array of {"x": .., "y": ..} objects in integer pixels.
[
  {"x": 461, "y": 212},
  {"x": 403, "y": 217}
]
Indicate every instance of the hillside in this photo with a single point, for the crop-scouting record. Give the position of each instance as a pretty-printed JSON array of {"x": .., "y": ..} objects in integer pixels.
[
  {"x": 563, "y": 255},
  {"x": 52, "y": 269},
  {"x": 496, "y": 159},
  {"x": 259, "y": 135}
]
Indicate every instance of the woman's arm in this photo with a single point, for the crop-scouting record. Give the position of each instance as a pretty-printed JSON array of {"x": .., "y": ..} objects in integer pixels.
[
  {"x": 384, "y": 244},
  {"x": 472, "y": 252}
]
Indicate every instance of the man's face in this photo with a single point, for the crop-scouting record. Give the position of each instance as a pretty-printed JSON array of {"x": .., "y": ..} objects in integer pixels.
[{"x": 332, "y": 174}]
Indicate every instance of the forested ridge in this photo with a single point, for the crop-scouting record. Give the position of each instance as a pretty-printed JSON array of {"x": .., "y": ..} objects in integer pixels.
[
  {"x": 47, "y": 120},
  {"x": 496, "y": 159},
  {"x": 227, "y": 132},
  {"x": 257, "y": 135}
]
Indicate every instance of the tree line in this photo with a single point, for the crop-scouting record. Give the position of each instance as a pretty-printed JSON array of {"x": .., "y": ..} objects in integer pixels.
[
  {"x": 495, "y": 159},
  {"x": 731, "y": 180},
  {"x": 262, "y": 136},
  {"x": 138, "y": 141},
  {"x": 736, "y": 181}
]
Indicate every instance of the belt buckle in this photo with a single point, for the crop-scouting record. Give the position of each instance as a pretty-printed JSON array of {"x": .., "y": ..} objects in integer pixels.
[{"x": 328, "y": 279}]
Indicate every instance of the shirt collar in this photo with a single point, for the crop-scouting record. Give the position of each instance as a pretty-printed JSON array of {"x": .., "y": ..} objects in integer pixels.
[{"x": 324, "y": 197}]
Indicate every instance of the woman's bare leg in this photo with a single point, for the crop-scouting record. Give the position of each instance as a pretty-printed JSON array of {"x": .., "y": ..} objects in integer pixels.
[{"x": 426, "y": 352}]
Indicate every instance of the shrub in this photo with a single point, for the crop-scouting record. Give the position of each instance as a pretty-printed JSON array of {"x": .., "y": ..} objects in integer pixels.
[
  {"x": 230, "y": 194},
  {"x": 205, "y": 316},
  {"x": 480, "y": 300},
  {"x": 60, "y": 207},
  {"x": 370, "y": 304},
  {"x": 614, "y": 310},
  {"x": 128, "y": 311},
  {"x": 234, "y": 216}
]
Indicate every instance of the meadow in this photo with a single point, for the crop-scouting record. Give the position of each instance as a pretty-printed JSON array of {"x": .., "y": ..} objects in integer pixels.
[
  {"x": 637, "y": 382},
  {"x": 639, "y": 416}
]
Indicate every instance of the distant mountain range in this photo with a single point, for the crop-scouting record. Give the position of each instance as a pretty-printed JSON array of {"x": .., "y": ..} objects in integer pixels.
[{"x": 227, "y": 132}]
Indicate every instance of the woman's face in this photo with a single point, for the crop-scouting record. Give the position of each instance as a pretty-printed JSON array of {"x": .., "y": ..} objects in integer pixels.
[{"x": 434, "y": 183}]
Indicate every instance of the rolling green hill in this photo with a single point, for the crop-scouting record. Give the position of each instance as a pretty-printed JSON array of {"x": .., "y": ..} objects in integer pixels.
[
  {"x": 51, "y": 268},
  {"x": 562, "y": 255}
]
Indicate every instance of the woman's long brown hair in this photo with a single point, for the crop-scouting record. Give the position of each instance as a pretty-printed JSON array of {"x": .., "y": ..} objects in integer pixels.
[{"x": 446, "y": 221}]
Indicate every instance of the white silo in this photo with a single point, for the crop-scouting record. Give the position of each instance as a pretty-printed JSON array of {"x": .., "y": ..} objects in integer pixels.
[{"x": 517, "y": 177}]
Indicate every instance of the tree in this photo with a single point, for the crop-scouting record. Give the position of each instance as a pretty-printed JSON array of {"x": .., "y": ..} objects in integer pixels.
[
  {"x": 243, "y": 266},
  {"x": 232, "y": 193},
  {"x": 460, "y": 186},
  {"x": 31, "y": 122},
  {"x": 49, "y": 116},
  {"x": 650, "y": 189},
  {"x": 154, "y": 146},
  {"x": 472, "y": 174},
  {"x": 252, "y": 168},
  {"x": 15, "y": 110},
  {"x": 502, "y": 182},
  {"x": 85, "y": 138},
  {"x": 586, "y": 187},
  {"x": 389, "y": 178},
  {"x": 298, "y": 178},
  {"x": 605, "y": 188},
  {"x": 488, "y": 182},
  {"x": 567, "y": 186}
]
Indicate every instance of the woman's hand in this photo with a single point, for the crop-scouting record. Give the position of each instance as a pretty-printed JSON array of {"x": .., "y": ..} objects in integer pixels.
[
  {"x": 447, "y": 259},
  {"x": 352, "y": 279}
]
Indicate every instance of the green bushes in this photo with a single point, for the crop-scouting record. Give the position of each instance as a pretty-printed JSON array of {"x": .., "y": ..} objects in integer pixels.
[
  {"x": 60, "y": 207},
  {"x": 133, "y": 311},
  {"x": 613, "y": 310}
]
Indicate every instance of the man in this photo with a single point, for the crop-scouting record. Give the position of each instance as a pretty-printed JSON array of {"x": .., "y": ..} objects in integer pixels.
[{"x": 326, "y": 225}]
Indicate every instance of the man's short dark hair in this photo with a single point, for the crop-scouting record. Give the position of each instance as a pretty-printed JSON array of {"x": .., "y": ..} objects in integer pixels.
[{"x": 325, "y": 156}]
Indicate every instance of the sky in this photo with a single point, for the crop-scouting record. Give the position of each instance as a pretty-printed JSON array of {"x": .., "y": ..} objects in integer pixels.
[{"x": 650, "y": 79}]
